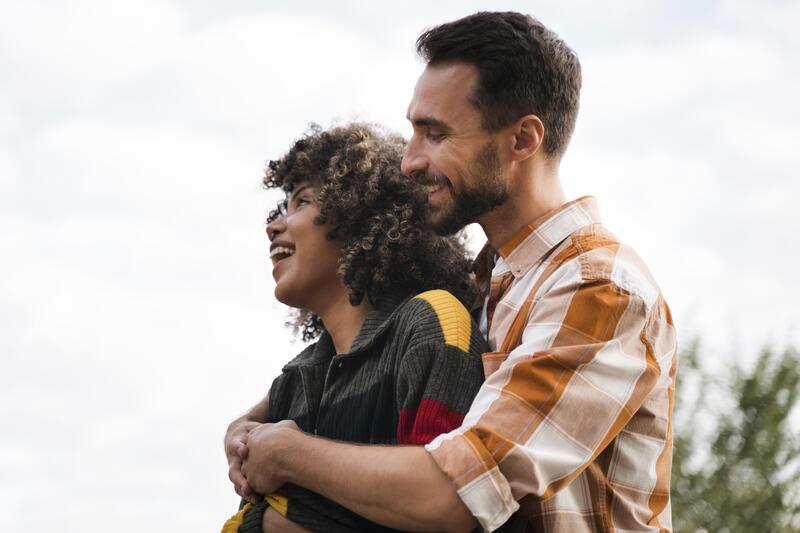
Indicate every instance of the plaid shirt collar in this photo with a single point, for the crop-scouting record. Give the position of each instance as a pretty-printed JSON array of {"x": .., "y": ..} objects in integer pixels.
[{"x": 534, "y": 241}]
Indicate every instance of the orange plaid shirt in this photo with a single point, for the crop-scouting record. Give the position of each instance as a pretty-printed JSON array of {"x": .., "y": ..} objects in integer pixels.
[{"x": 572, "y": 430}]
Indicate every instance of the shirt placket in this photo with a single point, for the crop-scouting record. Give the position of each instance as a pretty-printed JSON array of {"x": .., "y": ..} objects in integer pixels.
[{"x": 497, "y": 290}]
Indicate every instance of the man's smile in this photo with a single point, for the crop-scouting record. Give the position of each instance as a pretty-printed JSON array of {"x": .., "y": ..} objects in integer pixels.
[
  {"x": 435, "y": 185},
  {"x": 436, "y": 193}
]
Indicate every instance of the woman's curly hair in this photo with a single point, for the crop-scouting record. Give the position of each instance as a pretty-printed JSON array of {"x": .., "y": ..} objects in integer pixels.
[{"x": 378, "y": 215}]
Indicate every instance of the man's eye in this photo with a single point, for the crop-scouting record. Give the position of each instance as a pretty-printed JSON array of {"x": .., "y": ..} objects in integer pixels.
[{"x": 435, "y": 136}]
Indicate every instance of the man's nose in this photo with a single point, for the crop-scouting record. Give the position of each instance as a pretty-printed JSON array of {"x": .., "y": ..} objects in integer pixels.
[{"x": 414, "y": 160}]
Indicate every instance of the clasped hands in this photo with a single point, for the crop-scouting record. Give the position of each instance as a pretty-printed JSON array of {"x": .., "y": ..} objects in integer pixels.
[{"x": 255, "y": 452}]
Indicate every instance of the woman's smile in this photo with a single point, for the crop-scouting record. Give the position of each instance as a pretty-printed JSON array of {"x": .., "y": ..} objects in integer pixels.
[{"x": 278, "y": 252}]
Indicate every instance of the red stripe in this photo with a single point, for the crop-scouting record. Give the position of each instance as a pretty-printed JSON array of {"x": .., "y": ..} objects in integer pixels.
[{"x": 426, "y": 422}]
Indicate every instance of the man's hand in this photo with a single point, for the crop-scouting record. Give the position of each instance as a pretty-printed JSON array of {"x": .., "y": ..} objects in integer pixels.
[
  {"x": 266, "y": 445},
  {"x": 236, "y": 451}
]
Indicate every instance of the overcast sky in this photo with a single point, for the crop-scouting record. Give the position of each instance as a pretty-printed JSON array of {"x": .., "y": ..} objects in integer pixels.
[{"x": 136, "y": 308}]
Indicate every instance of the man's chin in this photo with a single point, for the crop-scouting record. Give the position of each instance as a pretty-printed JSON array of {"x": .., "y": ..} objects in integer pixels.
[{"x": 446, "y": 224}]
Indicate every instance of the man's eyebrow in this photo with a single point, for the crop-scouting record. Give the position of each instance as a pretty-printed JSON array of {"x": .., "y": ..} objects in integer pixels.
[{"x": 430, "y": 122}]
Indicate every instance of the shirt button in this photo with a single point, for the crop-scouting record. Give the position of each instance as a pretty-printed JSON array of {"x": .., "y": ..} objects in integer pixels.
[{"x": 340, "y": 364}]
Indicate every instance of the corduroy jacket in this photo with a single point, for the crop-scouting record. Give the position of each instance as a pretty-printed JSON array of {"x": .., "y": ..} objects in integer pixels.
[{"x": 411, "y": 374}]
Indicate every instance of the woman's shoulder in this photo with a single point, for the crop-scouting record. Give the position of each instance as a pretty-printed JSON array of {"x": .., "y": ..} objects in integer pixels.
[
  {"x": 438, "y": 314},
  {"x": 432, "y": 304},
  {"x": 442, "y": 304}
]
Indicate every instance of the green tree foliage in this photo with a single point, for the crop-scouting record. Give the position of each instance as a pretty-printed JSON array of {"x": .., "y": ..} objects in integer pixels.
[{"x": 736, "y": 463}]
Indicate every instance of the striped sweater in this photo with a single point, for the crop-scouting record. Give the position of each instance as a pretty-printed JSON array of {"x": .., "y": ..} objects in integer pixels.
[{"x": 410, "y": 375}]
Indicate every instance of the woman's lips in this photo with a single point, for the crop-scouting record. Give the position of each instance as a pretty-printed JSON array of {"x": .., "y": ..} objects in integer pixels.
[{"x": 279, "y": 253}]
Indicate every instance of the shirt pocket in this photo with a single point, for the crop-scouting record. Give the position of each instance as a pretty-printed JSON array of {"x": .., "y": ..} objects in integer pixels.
[{"x": 492, "y": 361}]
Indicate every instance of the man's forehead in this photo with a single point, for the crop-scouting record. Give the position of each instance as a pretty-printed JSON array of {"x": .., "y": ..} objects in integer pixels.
[{"x": 441, "y": 87}]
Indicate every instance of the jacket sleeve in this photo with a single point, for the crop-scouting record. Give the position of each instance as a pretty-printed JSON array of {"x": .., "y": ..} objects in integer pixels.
[{"x": 440, "y": 373}]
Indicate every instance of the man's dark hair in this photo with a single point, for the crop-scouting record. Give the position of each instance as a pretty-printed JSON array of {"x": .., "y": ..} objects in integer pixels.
[
  {"x": 379, "y": 216},
  {"x": 523, "y": 68}
]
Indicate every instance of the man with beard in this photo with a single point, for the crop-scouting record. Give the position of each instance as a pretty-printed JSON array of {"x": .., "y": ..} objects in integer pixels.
[{"x": 572, "y": 429}]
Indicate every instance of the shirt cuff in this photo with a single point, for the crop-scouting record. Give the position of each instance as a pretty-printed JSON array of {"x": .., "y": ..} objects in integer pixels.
[{"x": 478, "y": 480}]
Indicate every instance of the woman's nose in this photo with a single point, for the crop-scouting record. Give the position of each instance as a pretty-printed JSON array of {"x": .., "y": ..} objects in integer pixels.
[{"x": 275, "y": 227}]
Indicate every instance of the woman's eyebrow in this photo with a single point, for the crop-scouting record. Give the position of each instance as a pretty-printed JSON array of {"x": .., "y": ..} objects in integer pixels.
[{"x": 298, "y": 191}]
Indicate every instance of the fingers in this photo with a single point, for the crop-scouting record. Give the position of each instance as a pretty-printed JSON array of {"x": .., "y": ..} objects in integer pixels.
[
  {"x": 245, "y": 491},
  {"x": 232, "y": 445},
  {"x": 242, "y": 451},
  {"x": 248, "y": 493},
  {"x": 237, "y": 477},
  {"x": 237, "y": 452},
  {"x": 237, "y": 434}
]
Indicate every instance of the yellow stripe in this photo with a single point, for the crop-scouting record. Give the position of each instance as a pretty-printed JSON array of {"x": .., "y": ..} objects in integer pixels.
[
  {"x": 233, "y": 523},
  {"x": 278, "y": 501},
  {"x": 453, "y": 317}
]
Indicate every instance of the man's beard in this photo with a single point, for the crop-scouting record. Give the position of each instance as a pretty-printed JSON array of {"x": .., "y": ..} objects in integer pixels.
[{"x": 483, "y": 190}]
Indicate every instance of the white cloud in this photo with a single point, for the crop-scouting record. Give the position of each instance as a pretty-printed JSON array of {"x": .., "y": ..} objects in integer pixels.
[{"x": 69, "y": 53}]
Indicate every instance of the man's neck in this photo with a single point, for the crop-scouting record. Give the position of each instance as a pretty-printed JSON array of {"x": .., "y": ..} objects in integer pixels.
[
  {"x": 530, "y": 195},
  {"x": 343, "y": 320}
]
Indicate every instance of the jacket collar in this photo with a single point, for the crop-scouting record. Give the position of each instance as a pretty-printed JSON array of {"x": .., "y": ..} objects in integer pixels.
[{"x": 375, "y": 325}]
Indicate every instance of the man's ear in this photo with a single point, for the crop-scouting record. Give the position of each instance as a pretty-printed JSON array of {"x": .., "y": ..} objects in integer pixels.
[{"x": 528, "y": 134}]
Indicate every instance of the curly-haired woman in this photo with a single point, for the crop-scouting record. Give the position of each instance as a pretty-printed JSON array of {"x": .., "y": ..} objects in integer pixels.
[{"x": 397, "y": 360}]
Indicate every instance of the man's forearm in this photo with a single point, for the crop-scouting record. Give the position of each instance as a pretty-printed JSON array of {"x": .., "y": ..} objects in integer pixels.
[
  {"x": 398, "y": 486},
  {"x": 257, "y": 413}
]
